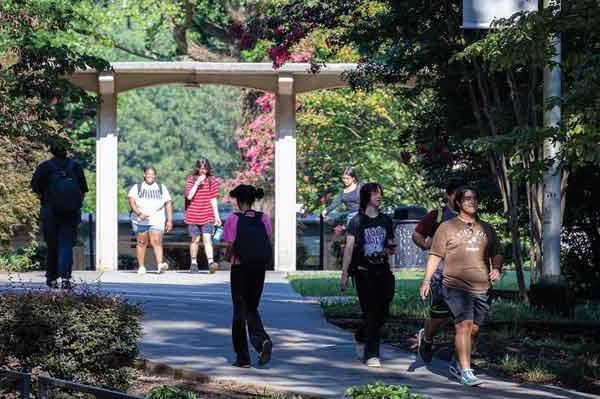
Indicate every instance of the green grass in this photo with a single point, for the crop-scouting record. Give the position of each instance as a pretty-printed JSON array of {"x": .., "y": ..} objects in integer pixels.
[
  {"x": 328, "y": 283},
  {"x": 407, "y": 303}
]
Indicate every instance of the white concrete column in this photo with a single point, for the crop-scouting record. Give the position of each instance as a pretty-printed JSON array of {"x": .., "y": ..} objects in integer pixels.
[
  {"x": 107, "y": 176},
  {"x": 285, "y": 175}
]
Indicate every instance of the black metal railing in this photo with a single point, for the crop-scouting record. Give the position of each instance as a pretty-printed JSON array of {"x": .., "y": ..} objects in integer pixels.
[
  {"x": 45, "y": 384},
  {"x": 23, "y": 378}
]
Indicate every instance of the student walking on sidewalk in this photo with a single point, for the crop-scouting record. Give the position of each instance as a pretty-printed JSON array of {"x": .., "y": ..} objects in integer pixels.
[
  {"x": 439, "y": 314},
  {"x": 150, "y": 201},
  {"x": 472, "y": 257},
  {"x": 61, "y": 186},
  {"x": 249, "y": 234},
  {"x": 202, "y": 212},
  {"x": 369, "y": 243}
]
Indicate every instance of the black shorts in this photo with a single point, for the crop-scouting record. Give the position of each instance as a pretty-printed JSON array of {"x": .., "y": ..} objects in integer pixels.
[
  {"x": 437, "y": 305},
  {"x": 465, "y": 305}
]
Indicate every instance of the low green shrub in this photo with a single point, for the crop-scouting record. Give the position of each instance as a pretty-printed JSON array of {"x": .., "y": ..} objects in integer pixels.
[
  {"x": 24, "y": 259},
  {"x": 379, "y": 390},
  {"x": 82, "y": 336},
  {"x": 166, "y": 392}
]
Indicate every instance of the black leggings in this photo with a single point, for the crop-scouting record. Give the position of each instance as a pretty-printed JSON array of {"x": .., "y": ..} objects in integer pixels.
[
  {"x": 375, "y": 293},
  {"x": 247, "y": 284}
]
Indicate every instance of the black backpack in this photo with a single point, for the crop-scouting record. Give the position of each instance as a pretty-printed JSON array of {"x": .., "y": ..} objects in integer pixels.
[
  {"x": 252, "y": 245},
  {"x": 64, "y": 191}
]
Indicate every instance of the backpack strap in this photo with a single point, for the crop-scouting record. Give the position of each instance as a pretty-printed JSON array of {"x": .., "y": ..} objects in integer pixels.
[
  {"x": 440, "y": 215},
  {"x": 139, "y": 189}
]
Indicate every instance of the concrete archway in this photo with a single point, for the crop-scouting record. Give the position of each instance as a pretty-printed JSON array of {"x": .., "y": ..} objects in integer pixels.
[{"x": 285, "y": 83}]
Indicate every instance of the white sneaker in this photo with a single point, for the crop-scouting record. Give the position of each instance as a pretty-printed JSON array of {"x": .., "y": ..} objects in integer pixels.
[
  {"x": 373, "y": 362},
  {"x": 141, "y": 270},
  {"x": 162, "y": 267},
  {"x": 194, "y": 268}
]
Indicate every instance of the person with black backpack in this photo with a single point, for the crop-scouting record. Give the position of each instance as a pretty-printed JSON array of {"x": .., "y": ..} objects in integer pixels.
[
  {"x": 249, "y": 234},
  {"x": 61, "y": 187},
  {"x": 369, "y": 243}
]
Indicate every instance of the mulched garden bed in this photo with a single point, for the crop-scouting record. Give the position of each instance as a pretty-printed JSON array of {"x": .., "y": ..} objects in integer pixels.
[{"x": 561, "y": 354}]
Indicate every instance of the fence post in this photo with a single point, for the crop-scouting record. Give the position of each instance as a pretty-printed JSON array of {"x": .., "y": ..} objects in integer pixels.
[
  {"x": 26, "y": 389},
  {"x": 42, "y": 389},
  {"x": 321, "y": 242},
  {"x": 91, "y": 239}
]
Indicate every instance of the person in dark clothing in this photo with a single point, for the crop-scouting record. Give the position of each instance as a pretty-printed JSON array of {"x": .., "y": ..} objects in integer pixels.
[
  {"x": 61, "y": 187},
  {"x": 369, "y": 243},
  {"x": 249, "y": 234},
  {"x": 349, "y": 195}
]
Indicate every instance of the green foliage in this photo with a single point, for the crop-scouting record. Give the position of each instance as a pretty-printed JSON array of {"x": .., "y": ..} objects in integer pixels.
[
  {"x": 170, "y": 127},
  {"x": 379, "y": 390},
  {"x": 24, "y": 259},
  {"x": 87, "y": 336},
  {"x": 341, "y": 128},
  {"x": 166, "y": 392}
]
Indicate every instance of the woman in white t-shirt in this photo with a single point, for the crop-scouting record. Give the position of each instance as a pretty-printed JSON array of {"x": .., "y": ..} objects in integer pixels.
[{"x": 151, "y": 214}]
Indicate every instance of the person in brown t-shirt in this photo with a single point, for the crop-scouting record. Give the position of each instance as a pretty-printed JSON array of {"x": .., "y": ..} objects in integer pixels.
[{"x": 472, "y": 257}]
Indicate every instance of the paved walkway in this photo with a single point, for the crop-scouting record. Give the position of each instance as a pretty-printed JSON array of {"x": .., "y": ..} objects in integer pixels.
[{"x": 187, "y": 325}]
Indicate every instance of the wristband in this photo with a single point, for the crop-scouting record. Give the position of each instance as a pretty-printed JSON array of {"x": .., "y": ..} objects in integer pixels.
[{"x": 428, "y": 281}]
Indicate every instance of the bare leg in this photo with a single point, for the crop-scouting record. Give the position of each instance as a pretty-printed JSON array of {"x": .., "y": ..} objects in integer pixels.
[
  {"x": 156, "y": 241},
  {"x": 474, "y": 333},
  {"x": 208, "y": 248},
  {"x": 140, "y": 249},
  {"x": 194, "y": 244},
  {"x": 433, "y": 326},
  {"x": 462, "y": 342}
]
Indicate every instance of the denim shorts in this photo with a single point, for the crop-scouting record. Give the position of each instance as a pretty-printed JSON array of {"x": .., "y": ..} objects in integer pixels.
[
  {"x": 466, "y": 305},
  {"x": 145, "y": 228},
  {"x": 197, "y": 229}
]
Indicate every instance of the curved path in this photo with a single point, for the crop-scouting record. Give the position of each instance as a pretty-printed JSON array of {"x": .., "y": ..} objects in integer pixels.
[{"x": 187, "y": 325}]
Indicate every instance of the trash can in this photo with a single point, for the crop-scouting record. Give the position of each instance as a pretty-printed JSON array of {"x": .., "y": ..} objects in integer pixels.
[{"x": 407, "y": 254}]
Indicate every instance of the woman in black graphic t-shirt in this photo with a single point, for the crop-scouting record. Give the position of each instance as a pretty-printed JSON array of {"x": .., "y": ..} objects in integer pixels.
[{"x": 369, "y": 243}]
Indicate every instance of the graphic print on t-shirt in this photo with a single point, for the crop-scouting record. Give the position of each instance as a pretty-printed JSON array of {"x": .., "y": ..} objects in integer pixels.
[
  {"x": 151, "y": 202},
  {"x": 374, "y": 240},
  {"x": 473, "y": 238}
]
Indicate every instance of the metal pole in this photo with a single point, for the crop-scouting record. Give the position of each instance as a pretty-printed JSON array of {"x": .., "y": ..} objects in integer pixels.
[
  {"x": 321, "y": 242},
  {"x": 552, "y": 180},
  {"x": 91, "y": 239},
  {"x": 25, "y": 390}
]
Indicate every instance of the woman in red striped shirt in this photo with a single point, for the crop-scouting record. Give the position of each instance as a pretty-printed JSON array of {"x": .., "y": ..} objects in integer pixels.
[{"x": 202, "y": 212}]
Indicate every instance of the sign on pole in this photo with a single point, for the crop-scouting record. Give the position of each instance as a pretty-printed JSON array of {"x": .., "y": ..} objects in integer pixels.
[{"x": 479, "y": 14}]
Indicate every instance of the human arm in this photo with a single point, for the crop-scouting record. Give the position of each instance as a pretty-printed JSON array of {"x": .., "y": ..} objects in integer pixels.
[
  {"x": 192, "y": 186},
  {"x": 336, "y": 202},
  {"x": 348, "y": 250},
  {"x": 433, "y": 262},
  {"x": 497, "y": 258},
  {"x": 131, "y": 198},
  {"x": 421, "y": 241},
  {"x": 423, "y": 230},
  {"x": 169, "y": 208}
]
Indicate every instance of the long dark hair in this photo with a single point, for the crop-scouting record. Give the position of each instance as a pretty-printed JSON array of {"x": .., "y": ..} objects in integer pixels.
[
  {"x": 202, "y": 162},
  {"x": 460, "y": 195},
  {"x": 349, "y": 171},
  {"x": 246, "y": 194},
  {"x": 365, "y": 194}
]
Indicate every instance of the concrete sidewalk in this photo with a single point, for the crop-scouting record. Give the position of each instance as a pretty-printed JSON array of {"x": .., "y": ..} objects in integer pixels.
[{"x": 187, "y": 325}]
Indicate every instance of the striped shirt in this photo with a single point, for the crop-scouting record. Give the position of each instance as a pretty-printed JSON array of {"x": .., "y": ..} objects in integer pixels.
[{"x": 199, "y": 210}]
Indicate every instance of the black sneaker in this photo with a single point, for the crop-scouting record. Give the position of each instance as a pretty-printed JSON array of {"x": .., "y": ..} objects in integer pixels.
[
  {"x": 53, "y": 284},
  {"x": 245, "y": 364},
  {"x": 424, "y": 348},
  {"x": 66, "y": 285},
  {"x": 265, "y": 354}
]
